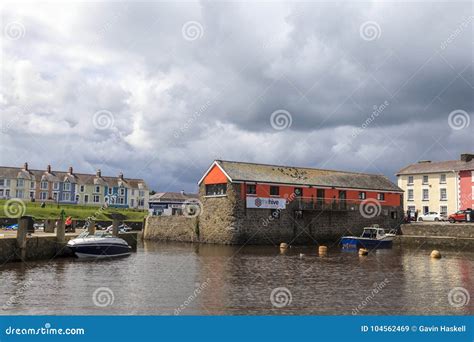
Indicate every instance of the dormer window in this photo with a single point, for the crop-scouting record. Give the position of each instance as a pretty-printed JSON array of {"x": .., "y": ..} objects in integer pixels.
[
  {"x": 44, "y": 185},
  {"x": 56, "y": 185},
  {"x": 97, "y": 189},
  {"x": 67, "y": 185},
  {"x": 122, "y": 192},
  {"x": 20, "y": 182}
]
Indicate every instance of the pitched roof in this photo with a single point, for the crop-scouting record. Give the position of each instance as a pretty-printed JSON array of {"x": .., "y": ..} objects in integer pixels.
[
  {"x": 60, "y": 176},
  {"x": 264, "y": 173},
  {"x": 172, "y": 197},
  {"x": 441, "y": 166}
]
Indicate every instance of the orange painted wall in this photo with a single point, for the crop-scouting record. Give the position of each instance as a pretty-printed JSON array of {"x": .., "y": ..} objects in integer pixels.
[{"x": 215, "y": 176}]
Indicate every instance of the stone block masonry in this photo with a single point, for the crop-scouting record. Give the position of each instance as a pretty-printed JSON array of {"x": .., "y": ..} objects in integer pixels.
[{"x": 226, "y": 220}]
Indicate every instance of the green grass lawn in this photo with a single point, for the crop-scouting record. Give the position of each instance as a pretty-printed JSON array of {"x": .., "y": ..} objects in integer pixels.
[{"x": 77, "y": 212}]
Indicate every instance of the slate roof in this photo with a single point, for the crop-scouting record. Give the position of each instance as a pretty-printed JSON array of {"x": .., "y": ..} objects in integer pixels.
[
  {"x": 264, "y": 173},
  {"x": 172, "y": 197},
  {"x": 441, "y": 166},
  {"x": 59, "y": 176}
]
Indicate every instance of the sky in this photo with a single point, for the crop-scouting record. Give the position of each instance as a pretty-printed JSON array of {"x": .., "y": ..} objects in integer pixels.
[{"x": 158, "y": 90}]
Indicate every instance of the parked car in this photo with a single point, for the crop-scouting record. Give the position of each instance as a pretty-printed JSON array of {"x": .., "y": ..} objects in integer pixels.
[
  {"x": 431, "y": 216},
  {"x": 123, "y": 228},
  {"x": 460, "y": 216}
]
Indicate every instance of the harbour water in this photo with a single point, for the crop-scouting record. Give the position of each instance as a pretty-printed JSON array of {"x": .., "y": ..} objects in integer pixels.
[{"x": 191, "y": 279}]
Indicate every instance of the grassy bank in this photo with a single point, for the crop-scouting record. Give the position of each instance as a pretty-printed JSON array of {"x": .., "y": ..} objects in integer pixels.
[{"x": 77, "y": 212}]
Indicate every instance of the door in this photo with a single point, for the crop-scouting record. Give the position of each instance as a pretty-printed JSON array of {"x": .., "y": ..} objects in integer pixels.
[
  {"x": 342, "y": 199},
  {"x": 320, "y": 198}
]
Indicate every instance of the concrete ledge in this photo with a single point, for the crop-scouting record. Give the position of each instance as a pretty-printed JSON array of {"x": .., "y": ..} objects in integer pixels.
[
  {"x": 435, "y": 241},
  {"x": 455, "y": 230}
]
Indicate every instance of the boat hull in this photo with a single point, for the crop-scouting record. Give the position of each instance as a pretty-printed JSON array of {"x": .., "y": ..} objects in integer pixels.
[
  {"x": 357, "y": 242},
  {"x": 100, "y": 251}
]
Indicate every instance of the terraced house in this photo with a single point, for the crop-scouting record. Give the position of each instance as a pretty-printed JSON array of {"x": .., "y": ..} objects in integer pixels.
[
  {"x": 72, "y": 188},
  {"x": 444, "y": 186}
]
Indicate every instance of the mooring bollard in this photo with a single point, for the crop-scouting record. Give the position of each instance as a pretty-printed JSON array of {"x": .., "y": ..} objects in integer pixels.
[
  {"x": 91, "y": 227},
  {"x": 322, "y": 250},
  {"x": 435, "y": 254},
  {"x": 24, "y": 223},
  {"x": 61, "y": 231},
  {"x": 115, "y": 227}
]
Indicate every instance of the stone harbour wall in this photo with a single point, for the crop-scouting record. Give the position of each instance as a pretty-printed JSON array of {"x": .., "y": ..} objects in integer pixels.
[
  {"x": 172, "y": 228},
  {"x": 438, "y": 235}
]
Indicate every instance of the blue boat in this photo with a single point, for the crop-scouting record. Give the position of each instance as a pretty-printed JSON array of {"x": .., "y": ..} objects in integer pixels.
[{"x": 372, "y": 237}]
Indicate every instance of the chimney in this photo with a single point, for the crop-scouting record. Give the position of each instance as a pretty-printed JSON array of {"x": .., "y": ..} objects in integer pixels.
[
  {"x": 48, "y": 169},
  {"x": 120, "y": 175},
  {"x": 467, "y": 157},
  {"x": 70, "y": 170},
  {"x": 25, "y": 166},
  {"x": 424, "y": 161},
  {"x": 98, "y": 173},
  {"x": 182, "y": 192}
]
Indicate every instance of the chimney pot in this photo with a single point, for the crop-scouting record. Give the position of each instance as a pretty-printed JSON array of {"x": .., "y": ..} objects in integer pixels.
[
  {"x": 70, "y": 170},
  {"x": 98, "y": 173},
  {"x": 182, "y": 192},
  {"x": 25, "y": 166},
  {"x": 48, "y": 169},
  {"x": 121, "y": 175},
  {"x": 467, "y": 157}
]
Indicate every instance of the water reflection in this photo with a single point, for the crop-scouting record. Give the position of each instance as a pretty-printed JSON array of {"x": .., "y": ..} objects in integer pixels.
[{"x": 222, "y": 280}]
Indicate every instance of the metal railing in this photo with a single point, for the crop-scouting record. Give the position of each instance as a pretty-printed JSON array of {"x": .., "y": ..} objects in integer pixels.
[{"x": 317, "y": 203}]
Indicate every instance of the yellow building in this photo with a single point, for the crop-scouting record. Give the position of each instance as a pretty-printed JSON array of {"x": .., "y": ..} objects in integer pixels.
[{"x": 430, "y": 187}]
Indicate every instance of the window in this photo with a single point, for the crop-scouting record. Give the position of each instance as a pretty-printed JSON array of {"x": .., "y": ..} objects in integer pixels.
[
  {"x": 132, "y": 202},
  {"x": 121, "y": 200},
  {"x": 78, "y": 198},
  {"x": 425, "y": 179},
  {"x": 393, "y": 215},
  {"x": 141, "y": 193},
  {"x": 81, "y": 188},
  {"x": 133, "y": 192},
  {"x": 20, "y": 182},
  {"x": 426, "y": 195},
  {"x": 362, "y": 195},
  {"x": 96, "y": 199},
  {"x": 86, "y": 198},
  {"x": 381, "y": 196},
  {"x": 410, "y": 180},
  {"x": 426, "y": 210},
  {"x": 410, "y": 194},
  {"x": 2, "y": 182},
  {"x": 32, "y": 194},
  {"x": 55, "y": 195},
  {"x": 216, "y": 189},
  {"x": 442, "y": 179},
  {"x": 274, "y": 191},
  {"x": 411, "y": 209},
  {"x": 1, "y": 192},
  {"x": 7, "y": 182},
  {"x": 43, "y": 195},
  {"x": 110, "y": 191},
  {"x": 443, "y": 210},
  {"x": 122, "y": 192},
  {"x": 67, "y": 186},
  {"x": 7, "y": 193},
  {"x": 97, "y": 189},
  {"x": 44, "y": 185},
  {"x": 443, "y": 195},
  {"x": 66, "y": 196},
  {"x": 299, "y": 192},
  {"x": 141, "y": 202},
  {"x": 56, "y": 186},
  {"x": 251, "y": 189},
  {"x": 19, "y": 193},
  {"x": 275, "y": 213},
  {"x": 32, "y": 185}
]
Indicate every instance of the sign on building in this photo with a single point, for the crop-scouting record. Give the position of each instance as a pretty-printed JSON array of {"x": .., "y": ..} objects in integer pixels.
[{"x": 266, "y": 203}]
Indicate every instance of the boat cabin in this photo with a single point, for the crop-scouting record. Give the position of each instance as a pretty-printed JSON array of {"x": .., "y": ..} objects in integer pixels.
[{"x": 373, "y": 233}]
